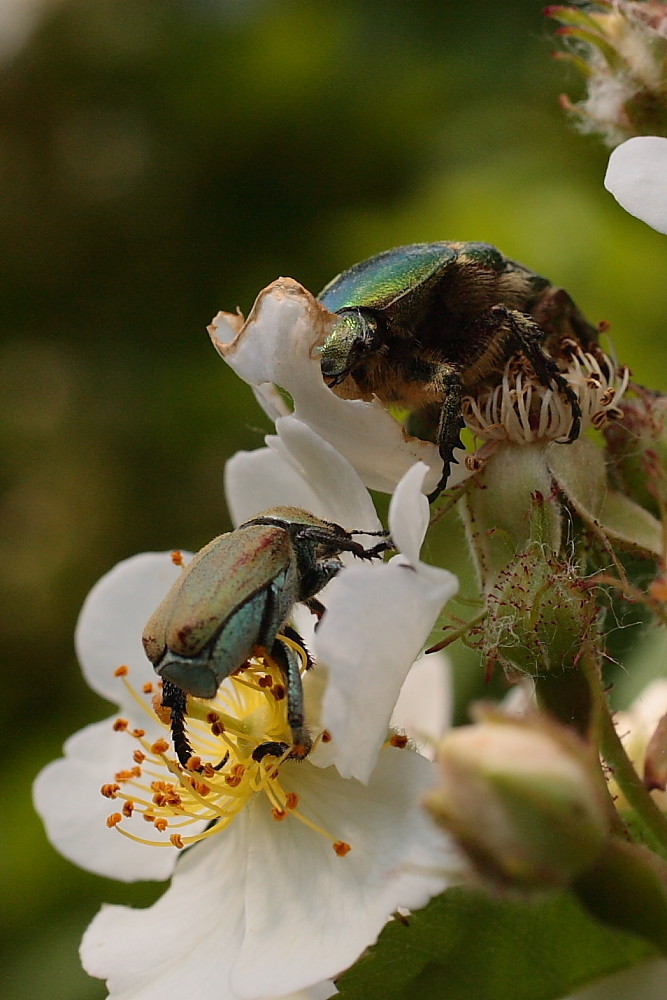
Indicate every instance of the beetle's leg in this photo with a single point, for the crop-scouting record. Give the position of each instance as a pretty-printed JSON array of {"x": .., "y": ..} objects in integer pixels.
[
  {"x": 271, "y": 748},
  {"x": 449, "y": 426},
  {"x": 316, "y": 607},
  {"x": 527, "y": 336},
  {"x": 291, "y": 633},
  {"x": 175, "y": 699},
  {"x": 341, "y": 542},
  {"x": 290, "y": 667}
]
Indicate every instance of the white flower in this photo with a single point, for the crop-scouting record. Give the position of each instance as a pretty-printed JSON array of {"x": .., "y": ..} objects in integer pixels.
[
  {"x": 637, "y": 178},
  {"x": 274, "y": 347},
  {"x": 292, "y": 869},
  {"x": 379, "y": 615}
]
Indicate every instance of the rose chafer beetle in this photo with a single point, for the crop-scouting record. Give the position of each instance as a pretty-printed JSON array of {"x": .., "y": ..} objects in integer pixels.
[
  {"x": 421, "y": 326},
  {"x": 234, "y": 598}
]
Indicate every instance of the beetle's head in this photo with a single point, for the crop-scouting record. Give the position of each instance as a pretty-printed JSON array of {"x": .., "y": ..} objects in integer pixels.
[{"x": 355, "y": 335}]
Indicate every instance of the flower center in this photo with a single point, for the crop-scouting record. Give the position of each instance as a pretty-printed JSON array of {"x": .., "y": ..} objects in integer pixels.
[
  {"x": 522, "y": 410},
  {"x": 240, "y": 742}
]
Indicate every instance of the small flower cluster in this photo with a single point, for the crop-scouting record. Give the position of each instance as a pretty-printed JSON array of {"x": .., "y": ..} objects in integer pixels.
[
  {"x": 620, "y": 48},
  {"x": 287, "y": 857}
]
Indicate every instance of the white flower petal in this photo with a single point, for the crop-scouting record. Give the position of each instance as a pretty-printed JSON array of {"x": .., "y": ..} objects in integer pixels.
[
  {"x": 302, "y": 469},
  {"x": 266, "y": 908},
  {"x": 424, "y": 707},
  {"x": 185, "y": 944},
  {"x": 276, "y": 346},
  {"x": 637, "y": 178},
  {"x": 67, "y": 796},
  {"x": 108, "y": 633},
  {"x": 409, "y": 513},
  {"x": 310, "y": 913},
  {"x": 258, "y": 480},
  {"x": 378, "y": 617}
]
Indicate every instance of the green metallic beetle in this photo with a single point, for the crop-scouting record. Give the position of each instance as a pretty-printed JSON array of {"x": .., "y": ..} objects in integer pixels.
[
  {"x": 421, "y": 326},
  {"x": 235, "y": 596}
]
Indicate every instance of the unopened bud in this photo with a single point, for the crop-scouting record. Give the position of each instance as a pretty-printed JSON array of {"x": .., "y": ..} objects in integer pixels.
[
  {"x": 540, "y": 612},
  {"x": 522, "y": 798}
]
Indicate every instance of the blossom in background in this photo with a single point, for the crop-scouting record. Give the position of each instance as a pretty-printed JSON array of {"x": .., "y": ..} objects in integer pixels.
[
  {"x": 637, "y": 178},
  {"x": 292, "y": 869}
]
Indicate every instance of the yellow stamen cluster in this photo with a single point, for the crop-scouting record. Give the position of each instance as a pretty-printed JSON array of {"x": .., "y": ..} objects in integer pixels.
[
  {"x": 237, "y": 740},
  {"x": 521, "y": 410}
]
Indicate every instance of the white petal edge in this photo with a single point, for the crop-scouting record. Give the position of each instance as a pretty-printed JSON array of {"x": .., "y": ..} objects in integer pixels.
[
  {"x": 424, "y": 707},
  {"x": 111, "y": 623},
  {"x": 409, "y": 513},
  {"x": 275, "y": 345},
  {"x": 66, "y": 794},
  {"x": 378, "y": 618},
  {"x": 637, "y": 178},
  {"x": 299, "y": 468}
]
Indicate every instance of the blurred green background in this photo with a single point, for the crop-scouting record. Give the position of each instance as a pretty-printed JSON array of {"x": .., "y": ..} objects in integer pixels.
[{"x": 162, "y": 160}]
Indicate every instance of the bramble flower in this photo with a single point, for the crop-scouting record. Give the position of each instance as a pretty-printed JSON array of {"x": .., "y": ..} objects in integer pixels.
[
  {"x": 637, "y": 178},
  {"x": 275, "y": 347},
  {"x": 291, "y": 871},
  {"x": 379, "y": 615}
]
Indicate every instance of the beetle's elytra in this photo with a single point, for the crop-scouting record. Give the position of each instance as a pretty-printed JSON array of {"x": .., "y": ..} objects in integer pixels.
[
  {"x": 422, "y": 325},
  {"x": 235, "y": 596}
]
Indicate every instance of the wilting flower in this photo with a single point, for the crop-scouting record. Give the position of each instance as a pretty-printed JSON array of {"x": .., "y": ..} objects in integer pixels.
[
  {"x": 291, "y": 871},
  {"x": 637, "y": 178},
  {"x": 275, "y": 347}
]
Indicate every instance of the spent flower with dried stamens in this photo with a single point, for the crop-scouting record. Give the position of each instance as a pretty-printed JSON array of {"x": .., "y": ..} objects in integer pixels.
[
  {"x": 522, "y": 410},
  {"x": 620, "y": 48}
]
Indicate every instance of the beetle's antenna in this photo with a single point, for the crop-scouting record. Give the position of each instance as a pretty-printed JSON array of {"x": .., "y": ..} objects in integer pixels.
[{"x": 175, "y": 699}]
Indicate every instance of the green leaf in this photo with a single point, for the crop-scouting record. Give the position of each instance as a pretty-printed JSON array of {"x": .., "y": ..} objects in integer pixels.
[{"x": 467, "y": 945}]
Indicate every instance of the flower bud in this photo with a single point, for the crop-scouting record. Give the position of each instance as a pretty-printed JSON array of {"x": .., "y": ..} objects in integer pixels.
[
  {"x": 539, "y": 613},
  {"x": 522, "y": 798}
]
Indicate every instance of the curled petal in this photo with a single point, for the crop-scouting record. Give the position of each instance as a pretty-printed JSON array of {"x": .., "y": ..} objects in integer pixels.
[
  {"x": 275, "y": 346},
  {"x": 637, "y": 178}
]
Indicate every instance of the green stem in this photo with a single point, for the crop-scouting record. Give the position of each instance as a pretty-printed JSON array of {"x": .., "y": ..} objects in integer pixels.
[{"x": 651, "y": 820}]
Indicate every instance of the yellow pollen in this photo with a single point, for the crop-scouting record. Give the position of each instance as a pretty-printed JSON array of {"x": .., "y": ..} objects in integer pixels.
[
  {"x": 121, "y": 671},
  {"x": 229, "y": 766},
  {"x": 177, "y": 558}
]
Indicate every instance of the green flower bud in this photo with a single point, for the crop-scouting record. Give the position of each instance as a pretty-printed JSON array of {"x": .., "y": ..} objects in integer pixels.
[
  {"x": 522, "y": 798},
  {"x": 539, "y": 612}
]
